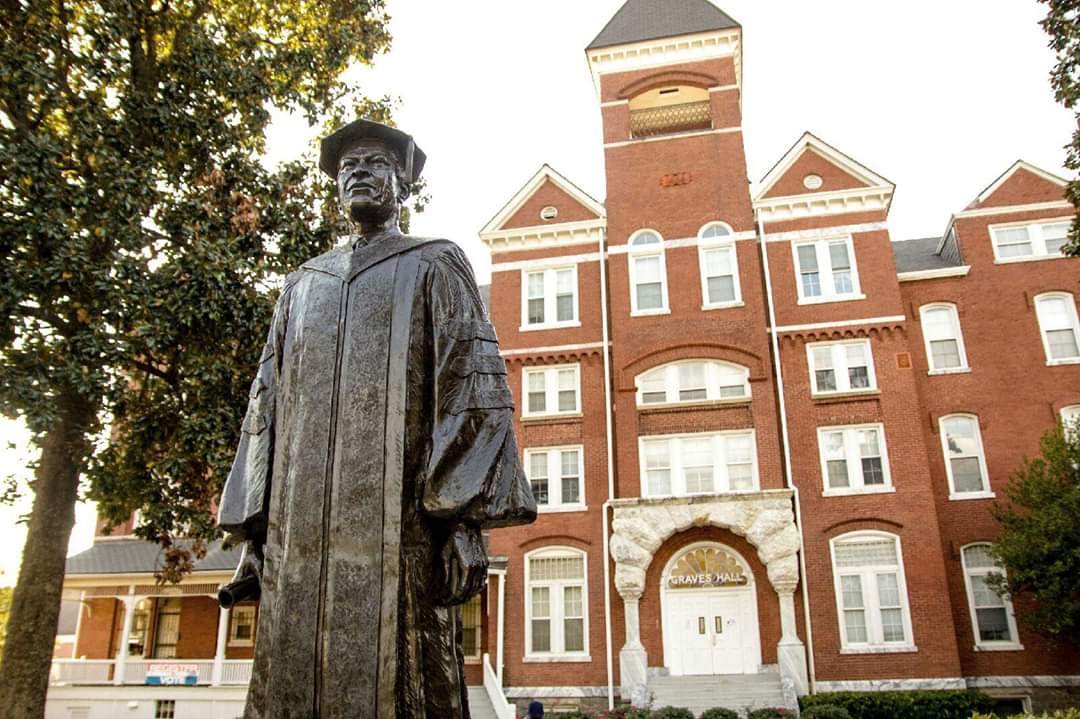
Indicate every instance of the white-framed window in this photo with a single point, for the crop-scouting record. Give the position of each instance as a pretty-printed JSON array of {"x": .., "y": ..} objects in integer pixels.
[
  {"x": 1070, "y": 418},
  {"x": 839, "y": 367},
  {"x": 242, "y": 625},
  {"x": 648, "y": 274},
  {"x": 1060, "y": 329},
  {"x": 1018, "y": 241},
  {"x": 825, "y": 270},
  {"x": 703, "y": 463},
  {"x": 854, "y": 459},
  {"x": 944, "y": 342},
  {"x": 871, "y": 592},
  {"x": 471, "y": 623},
  {"x": 719, "y": 267},
  {"x": 692, "y": 381},
  {"x": 556, "y": 476},
  {"x": 965, "y": 461},
  {"x": 551, "y": 390},
  {"x": 992, "y": 618},
  {"x": 556, "y": 604},
  {"x": 549, "y": 297}
]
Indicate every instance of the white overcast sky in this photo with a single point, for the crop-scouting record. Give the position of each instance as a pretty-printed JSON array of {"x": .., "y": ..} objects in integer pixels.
[{"x": 940, "y": 97}]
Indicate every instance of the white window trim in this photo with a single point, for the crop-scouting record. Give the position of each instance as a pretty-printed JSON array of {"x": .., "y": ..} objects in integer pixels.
[
  {"x": 1011, "y": 645},
  {"x": 827, "y": 290},
  {"x": 582, "y": 656},
  {"x": 871, "y": 372},
  {"x": 550, "y": 303},
  {"x": 234, "y": 615},
  {"x": 555, "y": 478},
  {"x": 986, "y": 492},
  {"x": 852, "y": 456},
  {"x": 959, "y": 336},
  {"x": 706, "y": 244},
  {"x": 551, "y": 390},
  {"x": 632, "y": 254},
  {"x": 1035, "y": 236},
  {"x": 671, "y": 384},
  {"x": 1070, "y": 301},
  {"x": 678, "y": 477},
  {"x": 1070, "y": 417},
  {"x": 873, "y": 619}
]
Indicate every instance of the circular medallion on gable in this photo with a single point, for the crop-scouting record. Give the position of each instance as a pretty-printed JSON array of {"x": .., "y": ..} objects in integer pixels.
[
  {"x": 812, "y": 182},
  {"x": 549, "y": 213}
]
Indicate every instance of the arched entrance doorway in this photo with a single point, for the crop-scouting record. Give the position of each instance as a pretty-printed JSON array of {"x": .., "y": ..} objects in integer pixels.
[{"x": 709, "y": 607}]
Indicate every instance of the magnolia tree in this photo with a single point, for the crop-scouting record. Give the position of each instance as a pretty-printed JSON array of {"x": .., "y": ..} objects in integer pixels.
[{"x": 141, "y": 238}]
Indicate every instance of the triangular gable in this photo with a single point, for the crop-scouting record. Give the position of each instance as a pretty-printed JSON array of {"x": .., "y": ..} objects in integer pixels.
[
  {"x": 546, "y": 188},
  {"x": 811, "y": 156},
  {"x": 1021, "y": 184}
]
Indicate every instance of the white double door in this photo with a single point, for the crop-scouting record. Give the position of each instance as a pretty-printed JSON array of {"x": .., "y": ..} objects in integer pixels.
[{"x": 711, "y": 632}]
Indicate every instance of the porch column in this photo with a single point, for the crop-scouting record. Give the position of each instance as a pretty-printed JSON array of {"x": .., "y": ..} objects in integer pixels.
[
  {"x": 633, "y": 661},
  {"x": 790, "y": 651},
  {"x": 222, "y": 639},
  {"x": 125, "y": 636},
  {"x": 500, "y": 622}
]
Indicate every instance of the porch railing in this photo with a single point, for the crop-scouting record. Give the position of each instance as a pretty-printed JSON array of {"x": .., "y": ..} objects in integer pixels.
[
  {"x": 670, "y": 119},
  {"x": 103, "y": 671},
  {"x": 503, "y": 708}
]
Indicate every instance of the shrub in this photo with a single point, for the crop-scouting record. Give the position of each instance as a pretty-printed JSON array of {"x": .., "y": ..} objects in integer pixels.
[
  {"x": 625, "y": 712},
  {"x": 1059, "y": 714},
  {"x": 671, "y": 713},
  {"x": 826, "y": 711},
  {"x": 719, "y": 713},
  {"x": 771, "y": 713},
  {"x": 957, "y": 704},
  {"x": 576, "y": 714}
]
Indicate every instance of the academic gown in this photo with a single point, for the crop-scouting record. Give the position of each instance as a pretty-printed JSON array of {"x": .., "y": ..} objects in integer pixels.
[{"x": 379, "y": 419}]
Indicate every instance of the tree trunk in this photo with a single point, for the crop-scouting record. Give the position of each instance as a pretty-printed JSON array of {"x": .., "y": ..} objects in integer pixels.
[{"x": 35, "y": 604}]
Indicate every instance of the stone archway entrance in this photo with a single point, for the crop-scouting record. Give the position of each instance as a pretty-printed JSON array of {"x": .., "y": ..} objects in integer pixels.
[{"x": 765, "y": 519}]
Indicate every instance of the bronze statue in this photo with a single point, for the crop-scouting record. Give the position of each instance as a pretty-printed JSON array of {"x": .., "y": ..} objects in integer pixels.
[{"x": 377, "y": 444}]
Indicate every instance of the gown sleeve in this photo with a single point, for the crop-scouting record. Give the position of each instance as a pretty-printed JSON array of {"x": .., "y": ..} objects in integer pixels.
[
  {"x": 474, "y": 474},
  {"x": 245, "y": 499}
]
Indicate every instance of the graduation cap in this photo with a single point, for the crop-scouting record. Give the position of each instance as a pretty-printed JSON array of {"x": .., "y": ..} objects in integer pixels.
[{"x": 346, "y": 137}]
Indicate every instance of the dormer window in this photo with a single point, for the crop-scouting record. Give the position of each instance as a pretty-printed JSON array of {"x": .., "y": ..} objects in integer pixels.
[{"x": 668, "y": 110}]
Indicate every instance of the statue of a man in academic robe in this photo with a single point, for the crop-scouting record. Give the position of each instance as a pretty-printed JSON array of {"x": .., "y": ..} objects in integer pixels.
[{"x": 377, "y": 445}]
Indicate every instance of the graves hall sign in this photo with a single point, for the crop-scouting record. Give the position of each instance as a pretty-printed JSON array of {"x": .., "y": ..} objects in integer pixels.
[{"x": 707, "y": 567}]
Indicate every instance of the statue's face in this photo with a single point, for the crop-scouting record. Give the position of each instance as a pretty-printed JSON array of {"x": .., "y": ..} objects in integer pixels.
[{"x": 369, "y": 188}]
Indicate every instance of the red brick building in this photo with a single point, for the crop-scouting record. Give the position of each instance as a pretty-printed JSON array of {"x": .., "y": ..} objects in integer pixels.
[{"x": 764, "y": 435}]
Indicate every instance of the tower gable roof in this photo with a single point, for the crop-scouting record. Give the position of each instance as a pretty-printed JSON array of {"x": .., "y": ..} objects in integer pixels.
[{"x": 641, "y": 20}]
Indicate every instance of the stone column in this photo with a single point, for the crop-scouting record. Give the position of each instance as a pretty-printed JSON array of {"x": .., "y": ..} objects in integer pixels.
[
  {"x": 633, "y": 661},
  {"x": 790, "y": 650},
  {"x": 222, "y": 641},
  {"x": 125, "y": 636}
]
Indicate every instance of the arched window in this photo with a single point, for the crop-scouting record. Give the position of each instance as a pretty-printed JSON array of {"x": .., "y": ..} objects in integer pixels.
[
  {"x": 941, "y": 334},
  {"x": 692, "y": 381},
  {"x": 991, "y": 614},
  {"x": 871, "y": 593},
  {"x": 648, "y": 274},
  {"x": 1060, "y": 328},
  {"x": 965, "y": 461},
  {"x": 556, "y": 603},
  {"x": 719, "y": 267}
]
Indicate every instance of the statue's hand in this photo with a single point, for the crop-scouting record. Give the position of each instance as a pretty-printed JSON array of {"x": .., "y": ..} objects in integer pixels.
[{"x": 464, "y": 564}]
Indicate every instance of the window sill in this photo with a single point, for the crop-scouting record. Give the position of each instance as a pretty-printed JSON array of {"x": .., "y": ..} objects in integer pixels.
[
  {"x": 694, "y": 495},
  {"x": 699, "y": 404},
  {"x": 650, "y": 313},
  {"x": 561, "y": 508},
  {"x": 953, "y": 497},
  {"x": 856, "y": 492},
  {"x": 829, "y": 300},
  {"x": 723, "y": 305},
  {"x": 1029, "y": 258},
  {"x": 472, "y": 660},
  {"x": 842, "y": 396},
  {"x": 1003, "y": 647},
  {"x": 240, "y": 643},
  {"x": 950, "y": 370},
  {"x": 549, "y": 326},
  {"x": 552, "y": 658},
  {"x": 555, "y": 417},
  {"x": 905, "y": 649},
  {"x": 1066, "y": 360}
]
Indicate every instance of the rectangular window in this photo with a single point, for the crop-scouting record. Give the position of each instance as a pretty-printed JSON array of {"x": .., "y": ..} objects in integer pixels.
[
  {"x": 555, "y": 476},
  {"x": 1027, "y": 241},
  {"x": 167, "y": 629},
  {"x": 837, "y": 367},
  {"x": 556, "y": 607},
  {"x": 550, "y": 297},
  {"x": 164, "y": 709},
  {"x": 551, "y": 390},
  {"x": 965, "y": 464},
  {"x": 698, "y": 464},
  {"x": 944, "y": 343},
  {"x": 648, "y": 279},
  {"x": 826, "y": 270},
  {"x": 471, "y": 623},
  {"x": 242, "y": 625},
  {"x": 853, "y": 459},
  {"x": 871, "y": 593},
  {"x": 1059, "y": 326},
  {"x": 720, "y": 276},
  {"x": 991, "y": 613}
]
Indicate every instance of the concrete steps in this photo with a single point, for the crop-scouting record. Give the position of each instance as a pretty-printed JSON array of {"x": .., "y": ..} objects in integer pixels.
[
  {"x": 479, "y": 704},
  {"x": 733, "y": 691}
]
